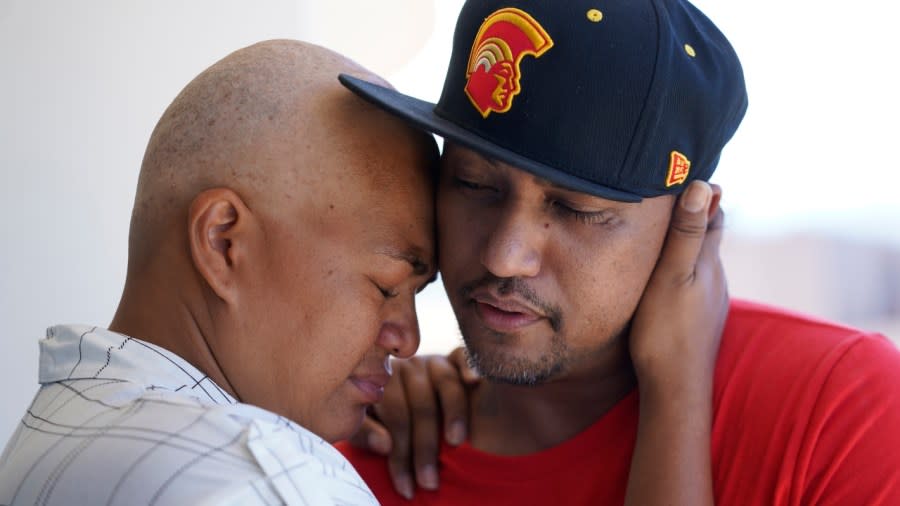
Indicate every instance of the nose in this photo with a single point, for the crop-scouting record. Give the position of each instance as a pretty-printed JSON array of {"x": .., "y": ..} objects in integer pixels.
[
  {"x": 399, "y": 333},
  {"x": 513, "y": 248}
]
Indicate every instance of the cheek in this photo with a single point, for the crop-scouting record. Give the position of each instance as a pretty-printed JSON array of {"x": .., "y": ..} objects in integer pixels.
[
  {"x": 345, "y": 322},
  {"x": 603, "y": 281},
  {"x": 326, "y": 323},
  {"x": 335, "y": 342}
]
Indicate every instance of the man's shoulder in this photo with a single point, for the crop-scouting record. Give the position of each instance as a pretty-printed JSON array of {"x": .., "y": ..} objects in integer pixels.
[
  {"x": 768, "y": 333},
  {"x": 111, "y": 444},
  {"x": 746, "y": 315},
  {"x": 802, "y": 404},
  {"x": 779, "y": 363},
  {"x": 767, "y": 345}
]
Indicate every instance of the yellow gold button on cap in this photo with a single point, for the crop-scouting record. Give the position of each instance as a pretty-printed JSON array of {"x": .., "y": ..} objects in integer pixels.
[{"x": 594, "y": 15}]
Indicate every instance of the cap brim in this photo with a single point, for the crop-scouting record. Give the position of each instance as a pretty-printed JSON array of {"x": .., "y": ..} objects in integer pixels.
[{"x": 421, "y": 114}]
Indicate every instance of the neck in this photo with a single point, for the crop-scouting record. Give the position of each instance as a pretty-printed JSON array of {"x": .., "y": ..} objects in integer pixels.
[
  {"x": 160, "y": 307},
  {"x": 518, "y": 420}
]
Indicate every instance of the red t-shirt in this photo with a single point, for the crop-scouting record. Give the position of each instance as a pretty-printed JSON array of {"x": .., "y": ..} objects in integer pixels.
[{"x": 805, "y": 412}]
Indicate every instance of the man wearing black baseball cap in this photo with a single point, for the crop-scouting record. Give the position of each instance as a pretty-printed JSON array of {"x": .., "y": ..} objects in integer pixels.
[{"x": 570, "y": 127}]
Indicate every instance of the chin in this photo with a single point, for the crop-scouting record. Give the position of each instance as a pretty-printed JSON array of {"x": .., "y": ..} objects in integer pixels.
[
  {"x": 339, "y": 427},
  {"x": 509, "y": 364}
]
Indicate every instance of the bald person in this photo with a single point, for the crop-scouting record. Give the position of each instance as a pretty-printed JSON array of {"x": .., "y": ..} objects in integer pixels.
[{"x": 280, "y": 231}]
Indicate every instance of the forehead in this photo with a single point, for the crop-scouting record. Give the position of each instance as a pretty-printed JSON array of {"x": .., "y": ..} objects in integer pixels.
[
  {"x": 365, "y": 196},
  {"x": 377, "y": 152},
  {"x": 388, "y": 209},
  {"x": 360, "y": 153}
]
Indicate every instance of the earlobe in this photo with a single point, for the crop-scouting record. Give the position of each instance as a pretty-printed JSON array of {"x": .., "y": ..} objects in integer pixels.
[
  {"x": 714, "y": 201},
  {"x": 217, "y": 220}
]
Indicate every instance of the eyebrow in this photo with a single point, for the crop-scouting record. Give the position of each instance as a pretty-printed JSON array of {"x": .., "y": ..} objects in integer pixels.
[
  {"x": 420, "y": 267},
  {"x": 493, "y": 161}
]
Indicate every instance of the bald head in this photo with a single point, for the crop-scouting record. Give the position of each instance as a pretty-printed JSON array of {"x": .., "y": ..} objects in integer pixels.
[
  {"x": 257, "y": 121},
  {"x": 281, "y": 229}
]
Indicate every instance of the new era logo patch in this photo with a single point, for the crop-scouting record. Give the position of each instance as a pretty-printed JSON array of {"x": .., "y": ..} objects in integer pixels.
[{"x": 679, "y": 168}]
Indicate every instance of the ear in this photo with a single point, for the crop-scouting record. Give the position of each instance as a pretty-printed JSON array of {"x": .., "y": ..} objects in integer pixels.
[
  {"x": 714, "y": 202},
  {"x": 220, "y": 228}
]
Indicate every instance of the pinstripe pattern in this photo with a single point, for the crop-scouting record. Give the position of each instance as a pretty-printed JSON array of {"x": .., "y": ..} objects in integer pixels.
[{"x": 118, "y": 421}]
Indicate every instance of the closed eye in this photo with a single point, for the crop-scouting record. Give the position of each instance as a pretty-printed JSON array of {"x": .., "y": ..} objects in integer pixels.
[
  {"x": 471, "y": 185},
  {"x": 387, "y": 293},
  {"x": 601, "y": 217}
]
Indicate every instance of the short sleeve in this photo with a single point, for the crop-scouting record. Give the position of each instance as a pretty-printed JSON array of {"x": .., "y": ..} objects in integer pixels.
[{"x": 853, "y": 438}]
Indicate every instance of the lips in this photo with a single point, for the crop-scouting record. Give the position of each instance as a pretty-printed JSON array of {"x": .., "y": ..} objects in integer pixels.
[
  {"x": 504, "y": 314},
  {"x": 370, "y": 386}
]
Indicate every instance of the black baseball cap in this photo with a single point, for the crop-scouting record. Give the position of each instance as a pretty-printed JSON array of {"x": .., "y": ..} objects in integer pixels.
[{"x": 623, "y": 99}]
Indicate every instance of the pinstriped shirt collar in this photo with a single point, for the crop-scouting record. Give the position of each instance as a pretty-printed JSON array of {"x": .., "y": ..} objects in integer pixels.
[{"x": 78, "y": 351}]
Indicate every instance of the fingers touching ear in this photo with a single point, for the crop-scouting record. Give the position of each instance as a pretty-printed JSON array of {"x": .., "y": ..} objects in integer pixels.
[{"x": 218, "y": 222}]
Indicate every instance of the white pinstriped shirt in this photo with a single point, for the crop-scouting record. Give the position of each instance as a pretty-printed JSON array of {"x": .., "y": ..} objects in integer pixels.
[{"x": 118, "y": 421}]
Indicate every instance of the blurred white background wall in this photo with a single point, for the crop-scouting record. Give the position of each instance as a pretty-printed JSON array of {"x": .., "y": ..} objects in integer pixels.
[{"x": 810, "y": 179}]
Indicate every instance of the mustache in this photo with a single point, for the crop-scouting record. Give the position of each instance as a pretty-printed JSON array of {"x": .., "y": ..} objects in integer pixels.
[{"x": 516, "y": 286}]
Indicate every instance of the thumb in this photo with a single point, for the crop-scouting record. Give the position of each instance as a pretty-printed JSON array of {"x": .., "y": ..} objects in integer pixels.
[{"x": 686, "y": 232}]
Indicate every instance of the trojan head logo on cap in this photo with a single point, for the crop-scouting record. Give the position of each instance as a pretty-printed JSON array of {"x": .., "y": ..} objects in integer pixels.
[{"x": 504, "y": 38}]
